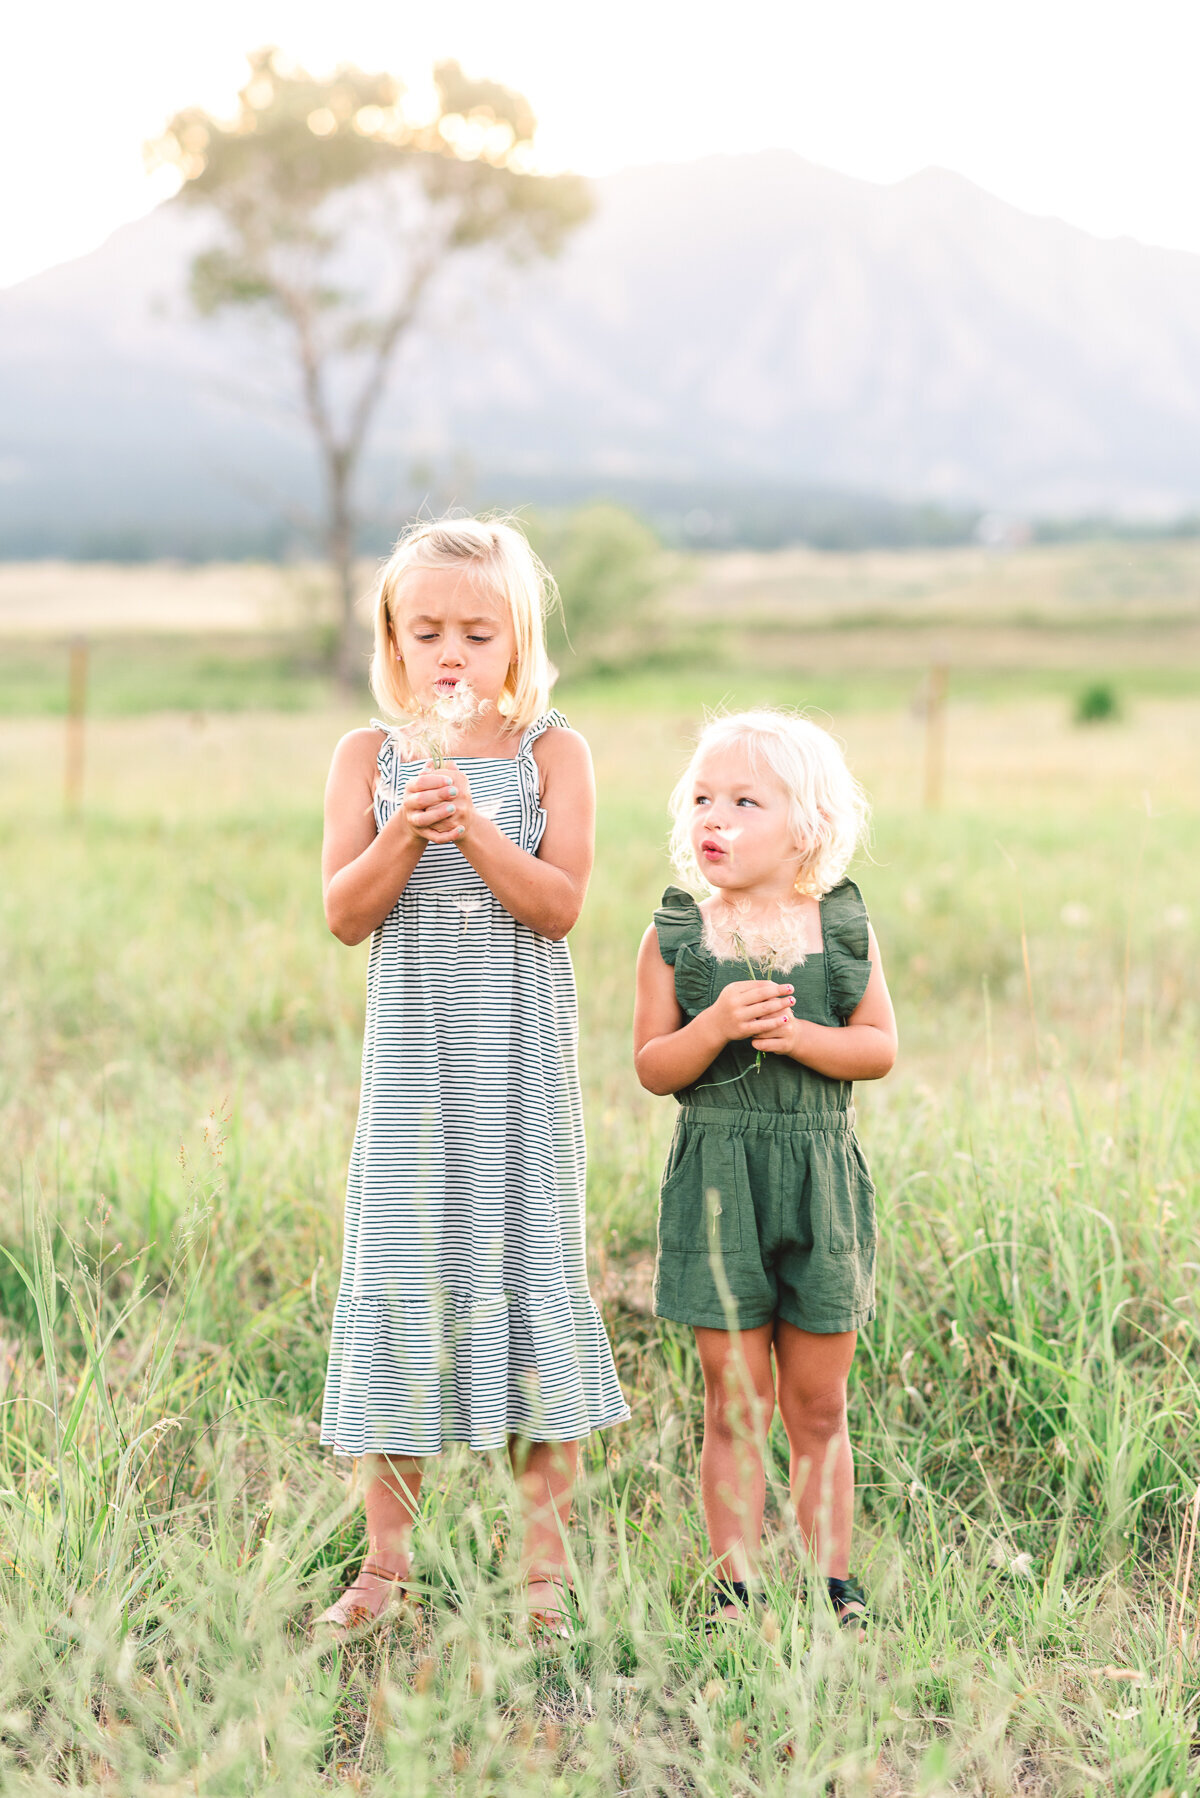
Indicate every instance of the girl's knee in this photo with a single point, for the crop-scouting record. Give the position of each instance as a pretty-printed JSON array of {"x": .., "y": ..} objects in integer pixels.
[
  {"x": 820, "y": 1414},
  {"x": 737, "y": 1414}
]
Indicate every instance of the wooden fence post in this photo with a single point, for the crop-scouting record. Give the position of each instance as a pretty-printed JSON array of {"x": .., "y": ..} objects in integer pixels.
[
  {"x": 935, "y": 734},
  {"x": 77, "y": 680}
]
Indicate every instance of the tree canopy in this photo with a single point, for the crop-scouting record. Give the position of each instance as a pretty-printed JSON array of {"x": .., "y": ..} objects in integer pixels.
[{"x": 338, "y": 205}]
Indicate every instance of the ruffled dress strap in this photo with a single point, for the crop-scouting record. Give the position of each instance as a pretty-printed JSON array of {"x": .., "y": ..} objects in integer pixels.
[
  {"x": 847, "y": 948},
  {"x": 533, "y": 818},
  {"x": 387, "y": 758},
  {"x": 551, "y": 720},
  {"x": 680, "y": 931}
]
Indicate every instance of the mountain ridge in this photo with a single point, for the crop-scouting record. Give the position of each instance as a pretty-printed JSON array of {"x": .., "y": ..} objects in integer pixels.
[{"x": 738, "y": 318}]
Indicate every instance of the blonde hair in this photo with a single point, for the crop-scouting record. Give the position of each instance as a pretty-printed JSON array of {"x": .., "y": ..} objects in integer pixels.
[
  {"x": 828, "y": 812},
  {"x": 501, "y": 564}
]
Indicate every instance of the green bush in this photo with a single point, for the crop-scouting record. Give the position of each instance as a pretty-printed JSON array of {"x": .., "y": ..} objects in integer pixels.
[
  {"x": 1097, "y": 704},
  {"x": 609, "y": 566}
]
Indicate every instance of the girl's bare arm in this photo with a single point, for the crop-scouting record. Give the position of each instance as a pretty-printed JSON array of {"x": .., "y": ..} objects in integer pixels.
[
  {"x": 864, "y": 1048},
  {"x": 543, "y": 891},
  {"x": 669, "y": 1054},
  {"x": 363, "y": 871}
]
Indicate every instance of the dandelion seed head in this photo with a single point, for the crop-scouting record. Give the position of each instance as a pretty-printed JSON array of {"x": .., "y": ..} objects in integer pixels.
[{"x": 770, "y": 942}]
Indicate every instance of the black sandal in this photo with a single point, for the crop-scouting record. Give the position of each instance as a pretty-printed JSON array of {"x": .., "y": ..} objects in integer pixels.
[
  {"x": 726, "y": 1592},
  {"x": 849, "y": 1603}
]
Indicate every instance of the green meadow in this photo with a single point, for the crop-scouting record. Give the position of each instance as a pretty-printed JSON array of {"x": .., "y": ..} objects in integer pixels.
[{"x": 178, "y": 1082}]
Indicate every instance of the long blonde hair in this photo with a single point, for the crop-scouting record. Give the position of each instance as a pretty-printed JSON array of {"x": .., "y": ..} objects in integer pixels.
[
  {"x": 828, "y": 812},
  {"x": 502, "y": 565}
]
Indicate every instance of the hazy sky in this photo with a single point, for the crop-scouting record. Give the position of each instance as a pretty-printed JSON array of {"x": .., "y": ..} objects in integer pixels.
[{"x": 1085, "y": 110}]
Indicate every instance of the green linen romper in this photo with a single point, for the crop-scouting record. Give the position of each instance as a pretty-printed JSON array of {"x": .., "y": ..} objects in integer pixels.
[{"x": 767, "y": 1208}]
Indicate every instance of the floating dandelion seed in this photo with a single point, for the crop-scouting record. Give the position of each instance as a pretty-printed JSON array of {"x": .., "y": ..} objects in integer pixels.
[{"x": 467, "y": 904}]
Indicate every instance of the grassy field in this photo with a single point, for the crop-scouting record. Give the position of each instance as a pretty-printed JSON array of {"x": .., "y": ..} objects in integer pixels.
[
  {"x": 858, "y": 630},
  {"x": 179, "y": 1068}
]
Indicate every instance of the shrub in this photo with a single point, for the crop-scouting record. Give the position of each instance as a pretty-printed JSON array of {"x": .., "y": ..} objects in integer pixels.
[
  {"x": 609, "y": 568},
  {"x": 1097, "y": 704}
]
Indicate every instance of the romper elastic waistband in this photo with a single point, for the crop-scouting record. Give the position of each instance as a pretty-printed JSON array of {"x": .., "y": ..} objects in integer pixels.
[{"x": 831, "y": 1123}]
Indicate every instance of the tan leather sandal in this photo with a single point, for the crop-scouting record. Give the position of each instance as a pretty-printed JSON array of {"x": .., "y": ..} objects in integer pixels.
[
  {"x": 548, "y": 1622},
  {"x": 348, "y": 1615}
]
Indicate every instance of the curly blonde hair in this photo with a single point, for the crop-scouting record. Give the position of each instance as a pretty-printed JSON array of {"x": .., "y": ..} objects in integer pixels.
[
  {"x": 828, "y": 813},
  {"x": 502, "y": 565}
]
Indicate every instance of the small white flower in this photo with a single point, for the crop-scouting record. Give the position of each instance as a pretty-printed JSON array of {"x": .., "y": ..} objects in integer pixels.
[
  {"x": 1075, "y": 915},
  {"x": 1176, "y": 916},
  {"x": 1022, "y": 1565}
]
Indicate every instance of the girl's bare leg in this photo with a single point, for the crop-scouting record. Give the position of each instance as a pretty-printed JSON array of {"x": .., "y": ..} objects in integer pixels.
[
  {"x": 392, "y": 1487},
  {"x": 545, "y": 1476},
  {"x": 739, "y": 1402},
  {"x": 813, "y": 1371}
]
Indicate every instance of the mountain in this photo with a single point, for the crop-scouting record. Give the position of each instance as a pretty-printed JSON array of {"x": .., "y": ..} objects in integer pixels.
[{"x": 740, "y": 320}]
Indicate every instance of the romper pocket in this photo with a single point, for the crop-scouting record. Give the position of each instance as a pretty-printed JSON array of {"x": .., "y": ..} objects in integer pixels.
[
  {"x": 703, "y": 1161},
  {"x": 849, "y": 1197}
]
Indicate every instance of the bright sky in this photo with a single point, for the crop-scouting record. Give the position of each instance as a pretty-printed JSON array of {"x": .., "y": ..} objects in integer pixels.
[{"x": 1081, "y": 108}]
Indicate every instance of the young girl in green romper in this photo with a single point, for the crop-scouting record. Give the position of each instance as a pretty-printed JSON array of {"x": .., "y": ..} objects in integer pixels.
[{"x": 757, "y": 1008}]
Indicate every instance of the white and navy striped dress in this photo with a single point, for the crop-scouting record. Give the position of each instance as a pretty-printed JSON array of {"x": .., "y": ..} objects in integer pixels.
[{"x": 463, "y": 1313}]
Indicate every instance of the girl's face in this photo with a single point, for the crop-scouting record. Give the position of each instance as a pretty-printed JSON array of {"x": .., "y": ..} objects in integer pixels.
[
  {"x": 739, "y": 824},
  {"x": 449, "y": 633}
]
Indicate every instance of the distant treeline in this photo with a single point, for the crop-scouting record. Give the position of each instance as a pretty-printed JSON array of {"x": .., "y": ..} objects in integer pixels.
[{"x": 682, "y": 514}]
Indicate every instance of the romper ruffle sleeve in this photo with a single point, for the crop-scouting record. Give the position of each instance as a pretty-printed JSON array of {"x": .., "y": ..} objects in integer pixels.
[
  {"x": 847, "y": 948},
  {"x": 680, "y": 931}
]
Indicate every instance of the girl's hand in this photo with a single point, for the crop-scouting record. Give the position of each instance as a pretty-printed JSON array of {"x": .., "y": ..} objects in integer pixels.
[
  {"x": 437, "y": 804},
  {"x": 751, "y": 1008},
  {"x": 779, "y": 1039}
]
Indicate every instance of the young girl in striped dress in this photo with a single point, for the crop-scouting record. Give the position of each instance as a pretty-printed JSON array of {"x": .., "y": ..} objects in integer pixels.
[{"x": 460, "y": 842}]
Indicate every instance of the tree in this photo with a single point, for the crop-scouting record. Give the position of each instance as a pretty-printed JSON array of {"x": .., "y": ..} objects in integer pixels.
[
  {"x": 338, "y": 211},
  {"x": 610, "y": 568}
]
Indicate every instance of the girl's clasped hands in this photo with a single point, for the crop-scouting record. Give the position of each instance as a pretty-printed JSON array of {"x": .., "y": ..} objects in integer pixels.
[
  {"x": 437, "y": 804},
  {"x": 759, "y": 1011}
]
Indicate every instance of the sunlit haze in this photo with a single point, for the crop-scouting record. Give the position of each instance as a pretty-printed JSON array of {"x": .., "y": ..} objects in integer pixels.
[{"x": 1085, "y": 111}]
